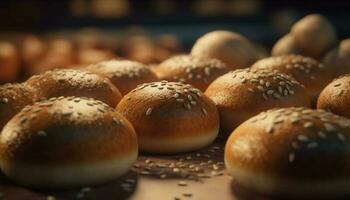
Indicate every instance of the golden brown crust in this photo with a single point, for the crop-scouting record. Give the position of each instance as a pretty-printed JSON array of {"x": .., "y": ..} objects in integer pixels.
[
  {"x": 197, "y": 71},
  {"x": 309, "y": 72},
  {"x": 244, "y": 93},
  {"x": 338, "y": 59},
  {"x": 71, "y": 82},
  {"x": 14, "y": 97},
  {"x": 66, "y": 131},
  {"x": 314, "y": 35},
  {"x": 232, "y": 48},
  {"x": 124, "y": 74},
  {"x": 290, "y": 145},
  {"x": 167, "y": 111},
  {"x": 335, "y": 96}
]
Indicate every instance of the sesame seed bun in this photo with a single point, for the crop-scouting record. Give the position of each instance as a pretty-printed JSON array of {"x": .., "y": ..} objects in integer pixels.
[
  {"x": 244, "y": 93},
  {"x": 232, "y": 48},
  {"x": 309, "y": 72},
  {"x": 197, "y": 71},
  {"x": 67, "y": 142},
  {"x": 71, "y": 82},
  {"x": 338, "y": 59},
  {"x": 170, "y": 117},
  {"x": 335, "y": 96},
  {"x": 285, "y": 45},
  {"x": 291, "y": 152},
  {"x": 314, "y": 35},
  {"x": 14, "y": 97},
  {"x": 124, "y": 74}
]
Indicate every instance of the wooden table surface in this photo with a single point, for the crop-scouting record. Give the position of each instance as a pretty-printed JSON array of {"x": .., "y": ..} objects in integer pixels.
[{"x": 194, "y": 176}]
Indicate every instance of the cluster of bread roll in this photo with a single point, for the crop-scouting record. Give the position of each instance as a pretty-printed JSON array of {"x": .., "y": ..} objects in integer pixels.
[
  {"x": 83, "y": 126},
  {"x": 23, "y": 55}
]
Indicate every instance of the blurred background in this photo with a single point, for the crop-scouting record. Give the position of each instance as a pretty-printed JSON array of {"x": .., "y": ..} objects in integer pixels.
[{"x": 47, "y": 34}]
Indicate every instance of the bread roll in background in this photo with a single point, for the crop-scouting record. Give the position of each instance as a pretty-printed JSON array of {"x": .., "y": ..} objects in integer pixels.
[
  {"x": 9, "y": 62},
  {"x": 126, "y": 75},
  {"x": 231, "y": 48},
  {"x": 67, "y": 142},
  {"x": 338, "y": 59},
  {"x": 292, "y": 153},
  {"x": 244, "y": 93},
  {"x": 170, "y": 117},
  {"x": 311, "y": 36},
  {"x": 197, "y": 71},
  {"x": 73, "y": 82}
]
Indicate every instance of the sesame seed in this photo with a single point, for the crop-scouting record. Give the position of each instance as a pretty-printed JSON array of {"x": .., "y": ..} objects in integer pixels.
[
  {"x": 41, "y": 133},
  {"x": 337, "y": 85},
  {"x": 312, "y": 145},
  {"x": 269, "y": 129},
  {"x": 187, "y": 194},
  {"x": 204, "y": 111},
  {"x": 308, "y": 125},
  {"x": 148, "y": 111},
  {"x": 251, "y": 90},
  {"x": 269, "y": 92},
  {"x": 341, "y": 137},
  {"x": 303, "y": 138},
  {"x": 277, "y": 96},
  {"x": 330, "y": 127},
  {"x": 182, "y": 183},
  {"x": 295, "y": 120},
  {"x": 321, "y": 134},
  {"x": 291, "y": 157}
]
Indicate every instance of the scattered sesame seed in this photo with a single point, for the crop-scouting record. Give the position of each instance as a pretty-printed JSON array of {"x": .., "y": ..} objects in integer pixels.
[
  {"x": 303, "y": 138},
  {"x": 148, "y": 111},
  {"x": 291, "y": 157}
]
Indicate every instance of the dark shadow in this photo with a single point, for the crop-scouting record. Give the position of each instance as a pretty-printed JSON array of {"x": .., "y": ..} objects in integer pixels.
[{"x": 107, "y": 191}]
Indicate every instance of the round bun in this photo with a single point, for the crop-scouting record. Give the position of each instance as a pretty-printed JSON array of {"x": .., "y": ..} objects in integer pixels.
[
  {"x": 314, "y": 35},
  {"x": 292, "y": 152},
  {"x": 14, "y": 97},
  {"x": 232, "y": 48},
  {"x": 67, "y": 142},
  {"x": 309, "y": 72},
  {"x": 285, "y": 45},
  {"x": 69, "y": 82},
  {"x": 170, "y": 117},
  {"x": 197, "y": 71},
  {"x": 338, "y": 59},
  {"x": 9, "y": 61},
  {"x": 244, "y": 93},
  {"x": 124, "y": 74},
  {"x": 335, "y": 96}
]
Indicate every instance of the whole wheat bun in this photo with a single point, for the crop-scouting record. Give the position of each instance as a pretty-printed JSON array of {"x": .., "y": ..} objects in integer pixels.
[
  {"x": 335, "y": 96},
  {"x": 126, "y": 75},
  {"x": 292, "y": 152},
  {"x": 231, "y": 48},
  {"x": 67, "y": 142},
  {"x": 309, "y": 72},
  {"x": 14, "y": 97},
  {"x": 197, "y": 71},
  {"x": 338, "y": 59},
  {"x": 170, "y": 117},
  {"x": 73, "y": 82},
  {"x": 244, "y": 93}
]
